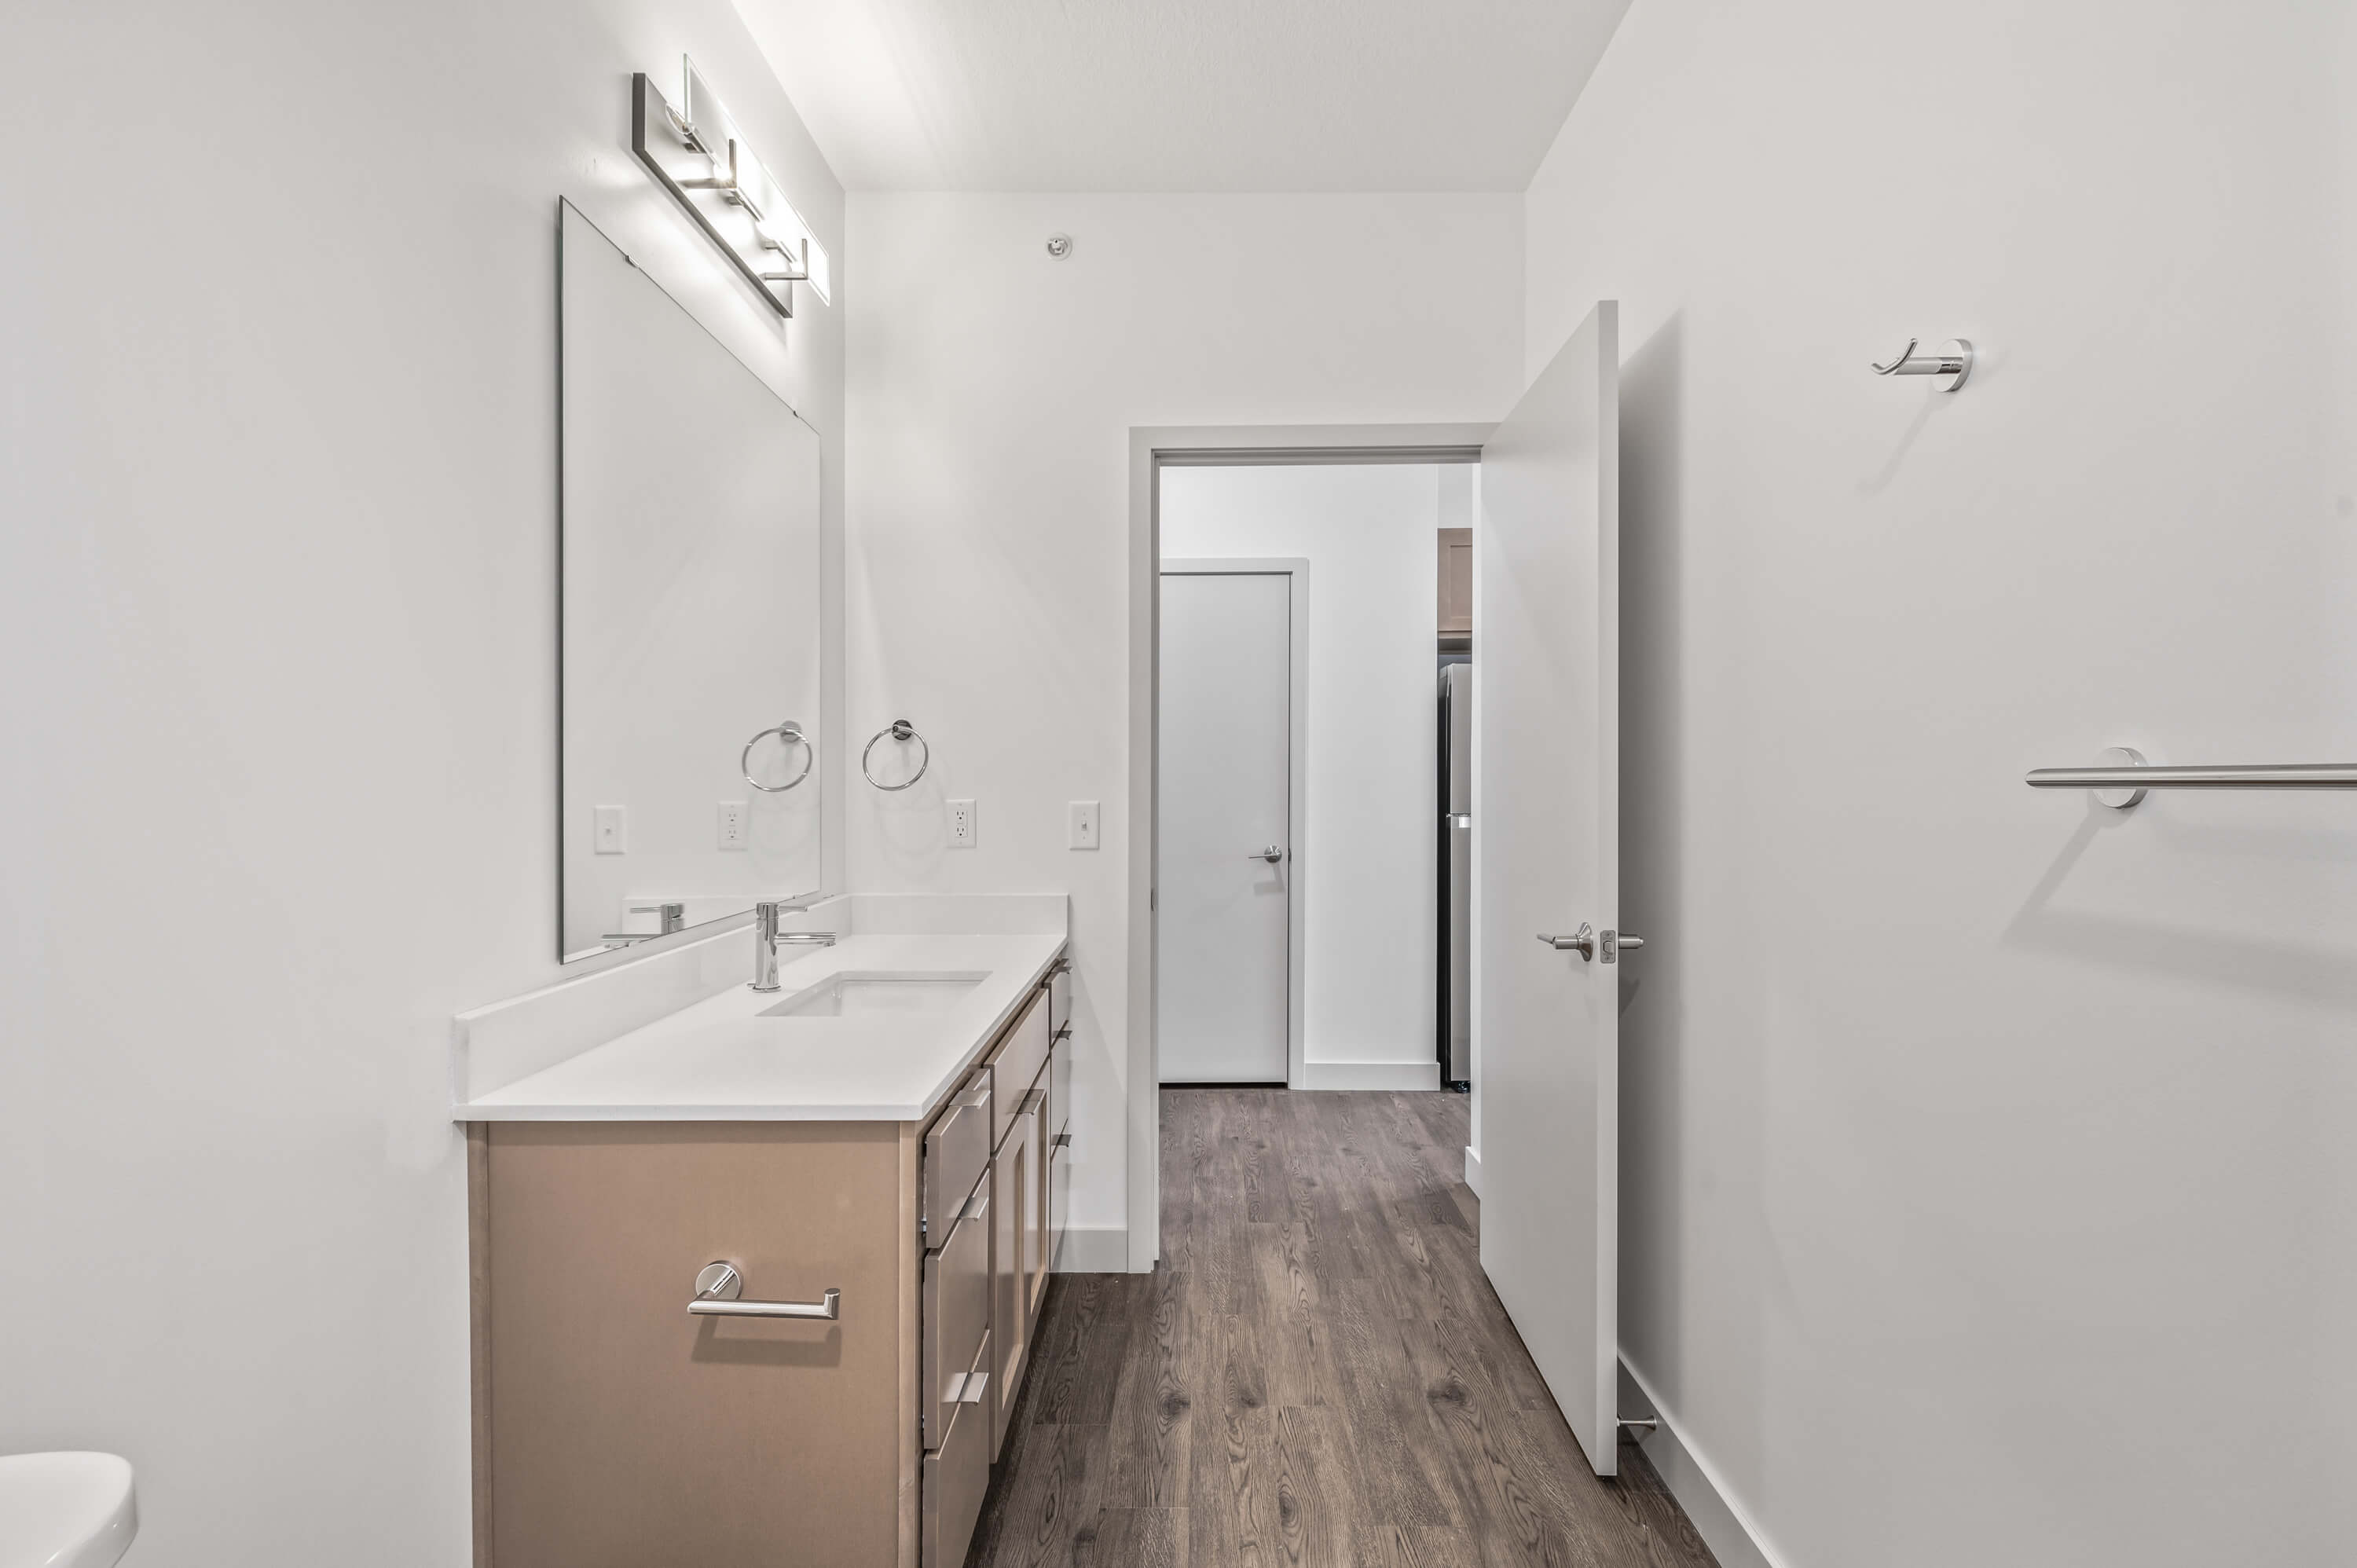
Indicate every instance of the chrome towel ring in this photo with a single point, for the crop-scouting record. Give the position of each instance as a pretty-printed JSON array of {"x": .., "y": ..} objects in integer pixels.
[
  {"x": 789, "y": 734},
  {"x": 899, "y": 729}
]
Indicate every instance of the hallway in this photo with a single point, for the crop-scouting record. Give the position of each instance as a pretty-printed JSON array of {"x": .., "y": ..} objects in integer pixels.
[{"x": 1316, "y": 1373}]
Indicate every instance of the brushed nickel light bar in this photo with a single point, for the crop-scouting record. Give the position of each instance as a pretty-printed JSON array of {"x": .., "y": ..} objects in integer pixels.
[{"x": 697, "y": 153}]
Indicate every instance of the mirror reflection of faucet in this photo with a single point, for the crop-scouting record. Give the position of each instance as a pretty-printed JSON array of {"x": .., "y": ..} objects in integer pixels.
[
  {"x": 768, "y": 938},
  {"x": 672, "y": 916}
]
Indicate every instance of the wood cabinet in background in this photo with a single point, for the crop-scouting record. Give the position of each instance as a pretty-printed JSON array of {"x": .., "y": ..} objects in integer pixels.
[{"x": 1456, "y": 609}]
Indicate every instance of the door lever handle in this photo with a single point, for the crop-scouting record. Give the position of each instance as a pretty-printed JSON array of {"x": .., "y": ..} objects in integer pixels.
[
  {"x": 1581, "y": 941},
  {"x": 1271, "y": 855}
]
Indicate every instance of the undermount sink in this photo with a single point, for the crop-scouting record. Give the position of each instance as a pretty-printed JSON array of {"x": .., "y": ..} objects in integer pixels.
[{"x": 877, "y": 994}]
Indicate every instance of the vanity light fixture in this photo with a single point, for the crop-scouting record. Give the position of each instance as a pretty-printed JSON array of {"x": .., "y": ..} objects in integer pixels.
[{"x": 698, "y": 153}]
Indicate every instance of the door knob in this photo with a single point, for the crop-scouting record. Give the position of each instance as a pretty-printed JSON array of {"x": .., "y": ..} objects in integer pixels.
[
  {"x": 1271, "y": 855},
  {"x": 1581, "y": 941}
]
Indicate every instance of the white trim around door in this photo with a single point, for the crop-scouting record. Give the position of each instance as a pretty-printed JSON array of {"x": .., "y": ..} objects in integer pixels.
[{"x": 1151, "y": 449}]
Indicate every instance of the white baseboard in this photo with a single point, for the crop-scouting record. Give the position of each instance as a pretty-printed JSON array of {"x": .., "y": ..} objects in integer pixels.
[
  {"x": 1725, "y": 1526},
  {"x": 1368, "y": 1075},
  {"x": 1094, "y": 1250},
  {"x": 1473, "y": 1169}
]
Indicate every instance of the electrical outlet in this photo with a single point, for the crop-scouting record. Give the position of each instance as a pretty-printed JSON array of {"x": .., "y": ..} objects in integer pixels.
[
  {"x": 961, "y": 829},
  {"x": 612, "y": 833},
  {"x": 1085, "y": 824},
  {"x": 732, "y": 824}
]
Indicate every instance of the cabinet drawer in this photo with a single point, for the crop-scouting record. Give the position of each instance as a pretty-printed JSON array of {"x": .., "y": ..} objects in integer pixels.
[
  {"x": 1020, "y": 1053},
  {"x": 956, "y": 1475},
  {"x": 956, "y": 1315},
  {"x": 957, "y": 1151},
  {"x": 1059, "y": 1084}
]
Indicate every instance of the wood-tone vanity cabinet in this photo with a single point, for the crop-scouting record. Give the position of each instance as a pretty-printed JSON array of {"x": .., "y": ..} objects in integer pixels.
[{"x": 615, "y": 1429}]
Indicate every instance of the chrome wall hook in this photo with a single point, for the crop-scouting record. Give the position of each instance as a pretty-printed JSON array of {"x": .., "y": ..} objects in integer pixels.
[{"x": 1952, "y": 364}]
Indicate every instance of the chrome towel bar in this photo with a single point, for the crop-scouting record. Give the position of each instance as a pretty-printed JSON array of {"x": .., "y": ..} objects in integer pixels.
[{"x": 2124, "y": 772}]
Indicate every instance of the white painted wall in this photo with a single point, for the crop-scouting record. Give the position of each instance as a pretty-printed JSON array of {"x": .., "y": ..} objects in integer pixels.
[
  {"x": 278, "y": 792},
  {"x": 1991, "y": 1190},
  {"x": 1366, "y": 840},
  {"x": 992, "y": 392}
]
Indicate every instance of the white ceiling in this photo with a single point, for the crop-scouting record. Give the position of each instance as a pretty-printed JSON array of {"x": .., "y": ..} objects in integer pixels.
[{"x": 1199, "y": 95}]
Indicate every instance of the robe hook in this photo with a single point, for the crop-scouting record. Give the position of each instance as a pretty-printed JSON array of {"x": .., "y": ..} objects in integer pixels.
[{"x": 1952, "y": 364}]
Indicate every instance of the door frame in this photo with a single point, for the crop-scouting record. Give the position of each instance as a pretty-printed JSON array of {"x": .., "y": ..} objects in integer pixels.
[
  {"x": 1294, "y": 570},
  {"x": 1153, "y": 448}
]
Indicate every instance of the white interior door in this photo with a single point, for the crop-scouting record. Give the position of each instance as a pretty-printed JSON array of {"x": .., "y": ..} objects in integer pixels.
[
  {"x": 1223, "y": 880},
  {"x": 1548, "y": 556}
]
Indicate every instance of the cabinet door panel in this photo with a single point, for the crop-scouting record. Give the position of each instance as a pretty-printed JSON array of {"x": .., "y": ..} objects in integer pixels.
[
  {"x": 624, "y": 1430},
  {"x": 1060, "y": 1200},
  {"x": 1008, "y": 1275},
  {"x": 1036, "y": 1256},
  {"x": 1059, "y": 1082}
]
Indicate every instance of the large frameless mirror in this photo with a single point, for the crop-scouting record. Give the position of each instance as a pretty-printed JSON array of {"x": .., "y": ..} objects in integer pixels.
[{"x": 689, "y": 616}]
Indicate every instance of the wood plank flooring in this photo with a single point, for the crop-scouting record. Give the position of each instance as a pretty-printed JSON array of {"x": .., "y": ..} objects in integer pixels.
[{"x": 1317, "y": 1374}]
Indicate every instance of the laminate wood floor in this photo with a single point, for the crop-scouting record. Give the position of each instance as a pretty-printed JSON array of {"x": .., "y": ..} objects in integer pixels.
[{"x": 1317, "y": 1372}]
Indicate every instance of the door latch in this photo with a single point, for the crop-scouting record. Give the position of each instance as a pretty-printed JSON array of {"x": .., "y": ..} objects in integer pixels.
[{"x": 1613, "y": 941}]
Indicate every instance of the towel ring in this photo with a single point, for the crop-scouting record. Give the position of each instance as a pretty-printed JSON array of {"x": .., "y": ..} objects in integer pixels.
[
  {"x": 791, "y": 734},
  {"x": 899, "y": 729}
]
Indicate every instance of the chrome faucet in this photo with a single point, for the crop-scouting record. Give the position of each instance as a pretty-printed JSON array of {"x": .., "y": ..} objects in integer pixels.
[{"x": 766, "y": 939}]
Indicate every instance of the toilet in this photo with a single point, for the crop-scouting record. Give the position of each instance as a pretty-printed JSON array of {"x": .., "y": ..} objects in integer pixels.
[{"x": 65, "y": 1510}]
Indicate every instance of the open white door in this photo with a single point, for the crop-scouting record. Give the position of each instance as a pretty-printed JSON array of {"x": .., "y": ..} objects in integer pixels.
[{"x": 1549, "y": 824}]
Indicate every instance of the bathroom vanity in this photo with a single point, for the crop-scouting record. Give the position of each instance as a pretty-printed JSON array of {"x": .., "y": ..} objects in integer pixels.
[{"x": 755, "y": 1277}]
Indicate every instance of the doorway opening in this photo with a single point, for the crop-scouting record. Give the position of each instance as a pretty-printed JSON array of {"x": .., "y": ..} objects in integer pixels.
[{"x": 1264, "y": 650}]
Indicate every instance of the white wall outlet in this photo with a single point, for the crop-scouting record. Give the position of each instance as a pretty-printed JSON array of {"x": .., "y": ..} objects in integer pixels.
[
  {"x": 611, "y": 834},
  {"x": 961, "y": 828},
  {"x": 732, "y": 824},
  {"x": 1085, "y": 824}
]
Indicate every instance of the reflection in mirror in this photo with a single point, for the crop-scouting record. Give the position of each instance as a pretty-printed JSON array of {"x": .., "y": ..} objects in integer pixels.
[{"x": 689, "y": 541}]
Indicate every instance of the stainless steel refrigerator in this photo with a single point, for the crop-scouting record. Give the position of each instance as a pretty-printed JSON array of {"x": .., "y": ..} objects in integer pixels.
[{"x": 1456, "y": 988}]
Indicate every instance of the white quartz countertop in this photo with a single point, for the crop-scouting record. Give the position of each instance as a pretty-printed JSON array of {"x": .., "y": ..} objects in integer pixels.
[{"x": 721, "y": 1059}]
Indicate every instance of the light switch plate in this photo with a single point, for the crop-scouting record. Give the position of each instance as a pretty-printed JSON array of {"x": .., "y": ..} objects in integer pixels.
[
  {"x": 612, "y": 830},
  {"x": 1085, "y": 824},
  {"x": 961, "y": 825},
  {"x": 732, "y": 824}
]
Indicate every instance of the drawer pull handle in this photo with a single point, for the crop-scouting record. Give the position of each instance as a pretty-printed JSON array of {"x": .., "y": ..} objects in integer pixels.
[
  {"x": 966, "y": 1388},
  {"x": 1063, "y": 1139},
  {"x": 719, "y": 1285}
]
